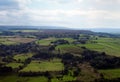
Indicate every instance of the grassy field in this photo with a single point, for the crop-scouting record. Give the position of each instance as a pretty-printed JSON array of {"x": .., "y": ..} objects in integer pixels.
[
  {"x": 21, "y": 40},
  {"x": 70, "y": 40},
  {"x": 15, "y": 40},
  {"x": 5, "y": 41},
  {"x": 15, "y": 78},
  {"x": 47, "y": 41},
  {"x": 111, "y": 73},
  {"x": 14, "y": 65},
  {"x": 23, "y": 57},
  {"x": 69, "y": 49},
  {"x": 43, "y": 66},
  {"x": 108, "y": 45}
]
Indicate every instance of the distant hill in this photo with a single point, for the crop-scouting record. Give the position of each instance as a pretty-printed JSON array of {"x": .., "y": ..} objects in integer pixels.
[
  {"x": 30, "y": 27},
  {"x": 107, "y": 30}
]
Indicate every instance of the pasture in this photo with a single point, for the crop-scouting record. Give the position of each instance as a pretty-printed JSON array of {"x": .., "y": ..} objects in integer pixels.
[
  {"x": 43, "y": 66},
  {"x": 23, "y": 57},
  {"x": 107, "y": 45},
  {"x": 47, "y": 41},
  {"x": 5, "y": 41},
  {"x": 16, "y": 78},
  {"x": 111, "y": 73},
  {"x": 15, "y": 40},
  {"x": 14, "y": 65},
  {"x": 69, "y": 48}
]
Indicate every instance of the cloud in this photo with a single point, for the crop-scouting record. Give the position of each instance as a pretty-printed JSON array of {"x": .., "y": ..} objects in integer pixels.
[
  {"x": 70, "y": 13},
  {"x": 13, "y": 4}
]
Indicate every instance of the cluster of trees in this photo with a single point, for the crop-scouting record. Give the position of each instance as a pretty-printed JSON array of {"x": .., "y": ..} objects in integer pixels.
[
  {"x": 4, "y": 69},
  {"x": 6, "y": 50},
  {"x": 100, "y": 60},
  {"x": 61, "y": 41}
]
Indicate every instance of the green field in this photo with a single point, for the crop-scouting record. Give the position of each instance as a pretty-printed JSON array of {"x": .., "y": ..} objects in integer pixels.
[
  {"x": 23, "y": 57},
  {"x": 11, "y": 40},
  {"x": 47, "y": 41},
  {"x": 15, "y": 78},
  {"x": 43, "y": 66},
  {"x": 108, "y": 45},
  {"x": 14, "y": 65},
  {"x": 5, "y": 41},
  {"x": 69, "y": 48},
  {"x": 70, "y": 40},
  {"x": 111, "y": 73}
]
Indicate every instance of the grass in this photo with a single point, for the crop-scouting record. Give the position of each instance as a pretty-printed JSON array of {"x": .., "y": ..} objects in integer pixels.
[
  {"x": 23, "y": 57},
  {"x": 14, "y": 65},
  {"x": 111, "y": 73},
  {"x": 15, "y": 78},
  {"x": 5, "y": 41},
  {"x": 68, "y": 78},
  {"x": 21, "y": 40},
  {"x": 15, "y": 40},
  {"x": 70, "y": 40},
  {"x": 47, "y": 41},
  {"x": 108, "y": 45},
  {"x": 69, "y": 48},
  {"x": 43, "y": 66}
]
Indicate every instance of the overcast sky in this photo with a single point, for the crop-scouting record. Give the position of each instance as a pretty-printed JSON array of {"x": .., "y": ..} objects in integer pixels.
[{"x": 67, "y": 13}]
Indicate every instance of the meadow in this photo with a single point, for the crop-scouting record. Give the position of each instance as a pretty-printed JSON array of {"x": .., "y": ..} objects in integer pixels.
[
  {"x": 16, "y": 78},
  {"x": 5, "y": 41},
  {"x": 69, "y": 48},
  {"x": 108, "y": 45},
  {"x": 110, "y": 73},
  {"x": 14, "y": 65},
  {"x": 23, "y": 57},
  {"x": 43, "y": 66},
  {"x": 47, "y": 41},
  {"x": 11, "y": 40}
]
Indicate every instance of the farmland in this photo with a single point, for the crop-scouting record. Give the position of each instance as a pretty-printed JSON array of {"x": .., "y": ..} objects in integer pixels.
[
  {"x": 43, "y": 66},
  {"x": 15, "y": 40},
  {"x": 58, "y": 56},
  {"x": 107, "y": 45},
  {"x": 47, "y": 41},
  {"x": 14, "y": 65},
  {"x": 110, "y": 73},
  {"x": 15, "y": 78},
  {"x": 23, "y": 57},
  {"x": 69, "y": 48}
]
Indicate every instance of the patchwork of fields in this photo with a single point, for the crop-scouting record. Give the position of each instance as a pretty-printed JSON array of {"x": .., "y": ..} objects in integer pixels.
[
  {"x": 107, "y": 45},
  {"x": 52, "y": 64}
]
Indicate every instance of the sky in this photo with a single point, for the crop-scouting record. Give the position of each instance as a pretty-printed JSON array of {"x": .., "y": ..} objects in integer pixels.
[{"x": 67, "y": 13}]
